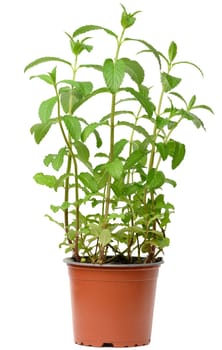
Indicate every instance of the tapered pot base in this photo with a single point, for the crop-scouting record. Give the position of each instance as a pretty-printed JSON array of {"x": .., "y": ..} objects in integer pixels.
[{"x": 112, "y": 305}]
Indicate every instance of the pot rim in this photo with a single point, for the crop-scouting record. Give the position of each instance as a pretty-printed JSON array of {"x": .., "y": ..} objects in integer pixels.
[{"x": 70, "y": 261}]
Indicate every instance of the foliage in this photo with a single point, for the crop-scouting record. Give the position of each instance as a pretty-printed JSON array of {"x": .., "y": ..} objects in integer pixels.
[{"x": 123, "y": 184}]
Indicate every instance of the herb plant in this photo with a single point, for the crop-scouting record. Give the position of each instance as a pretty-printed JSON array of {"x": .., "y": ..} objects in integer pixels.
[{"x": 124, "y": 184}]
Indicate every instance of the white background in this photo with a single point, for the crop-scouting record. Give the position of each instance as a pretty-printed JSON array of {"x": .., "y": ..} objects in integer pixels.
[{"x": 34, "y": 302}]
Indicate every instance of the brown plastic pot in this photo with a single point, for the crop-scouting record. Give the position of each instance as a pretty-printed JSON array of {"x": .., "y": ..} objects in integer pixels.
[{"x": 112, "y": 305}]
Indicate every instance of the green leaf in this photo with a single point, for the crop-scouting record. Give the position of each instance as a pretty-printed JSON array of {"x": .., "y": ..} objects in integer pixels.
[
  {"x": 64, "y": 206},
  {"x": 171, "y": 182},
  {"x": 155, "y": 179},
  {"x": 45, "y": 59},
  {"x": 203, "y": 107},
  {"x": 73, "y": 126},
  {"x": 169, "y": 82},
  {"x": 88, "y": 130},
  {"x": 97, "y": 135},
  {"x": 40, "y": 131},
  {"x": 118, "y": 147},
  {"x": 161, "y": 122},
  {"x": 82, "y": 151},
  {"x": 130, "y": 189},
  {"x": 104, "y": 237},
  {"x": 144, "y": 101},
  {"x": 162, "y": 149},
  {"x": 115, "y": 168},
  {"x": 191, "y": 103},
  {"x": 101, "y": 178},
  {"x": 161, "y": 243},
  {"x": 172, "y": 52},
  {"x": 179, "y": 96},
  {"x": 150, "y": 48},
  {"x": 46, "y": 108},
  {"x": 137, "y": 128},
  {"x": 190, "y": 116},
  {"x": 89, "y": 181},
  {"x": 134, "y": 69},
  {"x": 79, "y": 46},
  {"x": 45, "y": 77},
  {"x": 88, "y": 28},
  {"x": 177, "y": 151},
  {"x": 113, "y": 73},
  {"x": 58, "y": 159},
  {"x": 83, "y": 88},
  {"x": 47, "y": 180},
  {"x": 190, "y": 63},
  {"x": 94, "y": 66},
  {"x": 69, "y": 98},
  {"x": 127, "y": 19},
  {"x": 133, "y": 159},
  {"x": 48, "y": 159}
]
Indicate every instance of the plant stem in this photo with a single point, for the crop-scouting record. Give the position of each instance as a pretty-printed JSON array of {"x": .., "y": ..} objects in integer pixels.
[
  {"x": 66, "y": 198},
  {"x": 112, "y": 136},
  {"x": 71, "y": 156},
  {"x": 112, "y": 141}
]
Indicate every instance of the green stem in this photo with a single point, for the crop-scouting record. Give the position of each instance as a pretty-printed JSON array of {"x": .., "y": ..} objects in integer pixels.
[
  {"x": 112, "y": 141},
  {"x": 131, "y": 140},
  {"x": 71, "y": 156},
  {"x": 112, "y": 136}
]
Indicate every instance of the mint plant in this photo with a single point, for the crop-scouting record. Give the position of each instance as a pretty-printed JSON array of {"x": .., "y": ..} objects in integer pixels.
[{"x": 124, "y": 183}]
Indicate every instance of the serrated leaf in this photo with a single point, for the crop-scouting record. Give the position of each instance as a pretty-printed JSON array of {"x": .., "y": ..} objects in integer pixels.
[
  {"x": 135, "y": 127},
  {"x": 113, "y": 73},
  {"x": 161, "y": 122},
  {"x": 58, "y": 159},
  {"x": 48, "y": 159},
  {"x": 133, "y": 159},
  {"x": 45, "y": 59},
  {"x": 179, "y": 96},
  {"x": 104, "y": 237},
  {"x": 88, "y": 130},
  {"x": 155, "y": 179},
  {"x": 134, "y": 69},
  {"x": 83, "y": 88},
  {"x": 89, "y": 181},
  {"x": 88, "y": 28},
  {"x": 69, "y": 98},
  {"x": 73, "y": 126},
  {"x": 46, "y": 108},
  {"x": 162, "y": 149},
  {"x": 150, "y": 48},
  {"x": 115, "y": 168},
  {"x": 204, "y": 107},
  {"x": 82, "y": 151},
  {"x": 161, "y": 243},
  {"x": 94, "y": 66},
  {"x": 118, "y": 147},
  {"x": 44, "y": 77},
  {"x": 40, "y": 131},
  {"x": 46, "y": 180},
  {"x": 169, "y": 82},
  {"x": 172, "y": 52},
  {"x": 177, "y": 151},
  {"x": 101, "y": 178},
  {"x": 190, "y": 116},
  {"x": 144, "y": 100}
]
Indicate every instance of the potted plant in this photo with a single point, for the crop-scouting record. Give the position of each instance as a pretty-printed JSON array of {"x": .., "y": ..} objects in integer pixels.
[{"x": 110, "y": 174}]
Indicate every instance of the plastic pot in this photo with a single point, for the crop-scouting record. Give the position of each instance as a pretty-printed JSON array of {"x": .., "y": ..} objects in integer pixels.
[{"x": 112, "y": 305}]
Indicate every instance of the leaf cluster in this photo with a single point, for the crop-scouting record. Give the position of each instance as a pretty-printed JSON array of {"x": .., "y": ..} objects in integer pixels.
[{"x": 114, "y": 201}]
